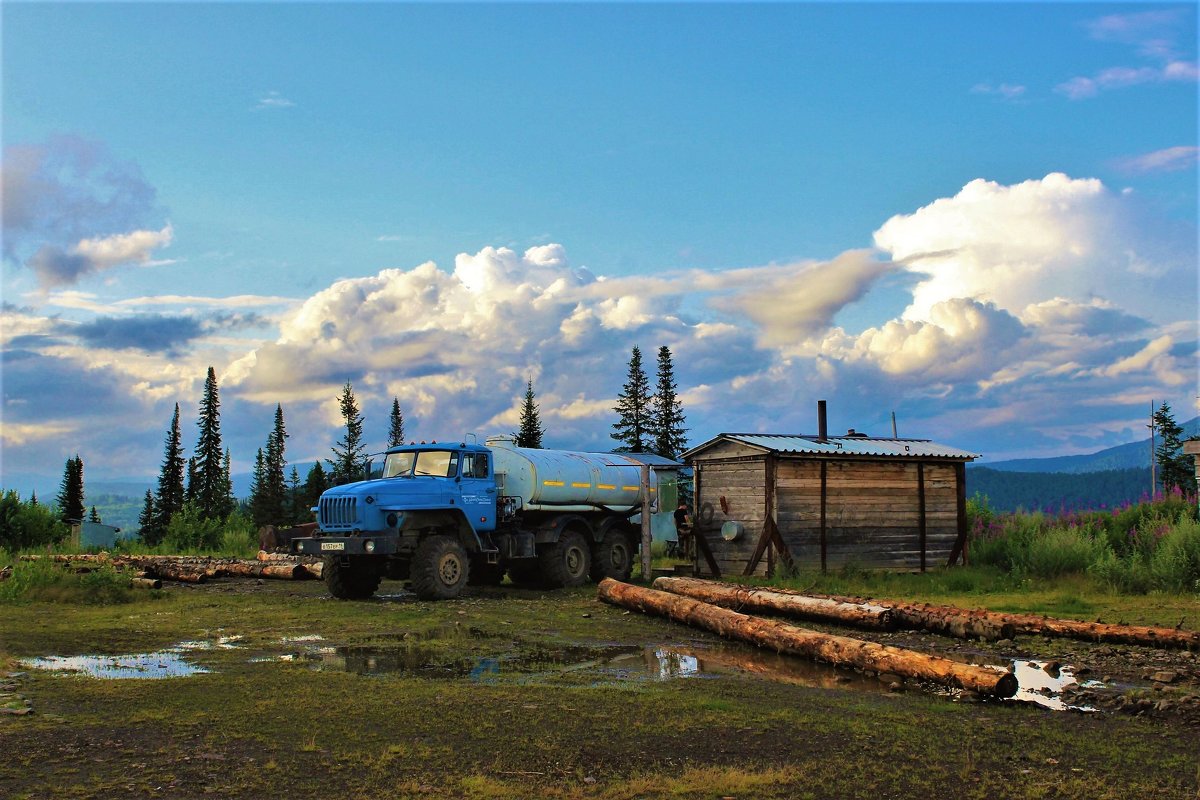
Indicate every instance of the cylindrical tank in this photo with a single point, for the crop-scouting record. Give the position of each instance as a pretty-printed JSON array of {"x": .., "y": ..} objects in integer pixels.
[{"x": 564, "y": 480}]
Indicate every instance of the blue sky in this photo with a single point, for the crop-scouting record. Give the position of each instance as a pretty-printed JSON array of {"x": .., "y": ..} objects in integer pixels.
[{"x": 980, "y": 216}]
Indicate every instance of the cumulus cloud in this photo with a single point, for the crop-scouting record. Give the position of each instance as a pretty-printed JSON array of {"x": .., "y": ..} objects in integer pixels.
[
  {"x": 55, "y": 266},
  {"x": 151, "y": 333},
  {"x": 1022, "y": 244}
]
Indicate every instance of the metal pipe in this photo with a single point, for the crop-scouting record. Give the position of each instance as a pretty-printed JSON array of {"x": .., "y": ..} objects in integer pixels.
[{"x": 822, "y": 422}]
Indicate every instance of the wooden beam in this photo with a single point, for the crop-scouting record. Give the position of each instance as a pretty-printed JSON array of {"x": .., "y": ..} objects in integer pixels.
[
  {"x": 764, "y": 538},
  {"x": 704, "y": 550},
  {"x": 960, "y": 544}
]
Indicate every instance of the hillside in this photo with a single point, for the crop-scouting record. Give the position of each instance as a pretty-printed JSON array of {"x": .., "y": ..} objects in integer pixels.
[
  {"x": 1056, "y": 491},
  {"x": 1134, "y": 455}
]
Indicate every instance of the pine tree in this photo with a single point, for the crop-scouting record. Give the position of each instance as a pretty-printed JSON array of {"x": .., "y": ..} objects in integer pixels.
[
  {"x": 530, "y": 434},
  {"x": 146, "y": 519},
  {"x": 258, "y": 482},
  {"x": 70, "y": 495},
  {"x": 1175, "y": 468},
  {"x": 396, "y": 430},
  {"x": 169, "y": 499},
  {"x": 207, "y": 488},
  {"x": 316, "y": 483},
  {"x": 274, "y": 466},
  {"x": 348, "y": 454},
  {"x": 666, "y": 413},
  {"x": 33, "y": 501},
  {"x": 293, "y": 497},
  {"x": 94, "y": 516},
  {"x": 633, "y": 409},
  {"x": 227, "y": 485}
]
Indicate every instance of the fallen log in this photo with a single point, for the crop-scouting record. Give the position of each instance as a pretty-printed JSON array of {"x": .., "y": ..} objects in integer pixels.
[
  {"x": 785, "y": 638},
  {"x": 176, "y": 572},
  {"x": 314, "y": 570},
  {"x": 994, "y": 624},
  {"x": 145, "y": 583},
  {"x": 753, "y": 598}
]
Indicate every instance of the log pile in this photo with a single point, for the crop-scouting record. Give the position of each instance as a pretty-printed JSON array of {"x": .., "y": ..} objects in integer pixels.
[
  {"x": 785, "y": 638},
  {"x": 992, "y": 625},
  {"x": 151, "y": 571}
]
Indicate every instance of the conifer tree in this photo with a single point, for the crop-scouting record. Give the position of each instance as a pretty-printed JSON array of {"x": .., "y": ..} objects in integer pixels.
[
  {"x": 33, "y": 501},
  {"x": 530, "y": 434},
  {"x": 70, "y": 495},
  {"x": 207, "y": 487},
  {"x": 632, "y": 428},
  {"x": 396, "y": 429},
  {"x": 348, "y": 454},
  {"x": 191, "y": 483},
  {"x": 666, "y": 414},
  {"x": 227, "y": 484},
  {"x": 314, "y": 484},
  {"x": 1175, "y": 468},
  {"x": 169, "y": 499},
  {"x": 258, "y": 481},
  {"x": 94, "y": 516},
  {"x": 146, "y": 519},
  {"x": 293, "y": 497},
  {"x": 274, "y": 466}
]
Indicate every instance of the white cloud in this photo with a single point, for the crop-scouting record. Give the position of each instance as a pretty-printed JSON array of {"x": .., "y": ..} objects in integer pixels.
[
  {"x": 272, "y": 100},
  {"x": 1154, "y": 35},
  {"x": 1010, "y": 92},
  {"x": 55, "y": 266},
  {"x": 1022, "y": 244},
  {"x": 1170, "y": 159},
  {"x": 17, "y": 434}
]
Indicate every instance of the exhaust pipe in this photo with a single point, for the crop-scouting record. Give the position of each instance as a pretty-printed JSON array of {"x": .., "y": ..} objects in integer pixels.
[{"x": 822, "y": 422}]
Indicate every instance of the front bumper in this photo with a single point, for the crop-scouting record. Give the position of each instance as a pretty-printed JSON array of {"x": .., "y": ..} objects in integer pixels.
[{"x": 381, "y": 545}]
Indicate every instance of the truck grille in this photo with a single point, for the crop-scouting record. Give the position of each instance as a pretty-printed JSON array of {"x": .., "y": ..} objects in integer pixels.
[{"x": 337, "y": 512}]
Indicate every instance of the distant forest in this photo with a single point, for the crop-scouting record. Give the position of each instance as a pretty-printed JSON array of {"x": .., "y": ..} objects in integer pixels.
[{"x": 1054, "y": 491}]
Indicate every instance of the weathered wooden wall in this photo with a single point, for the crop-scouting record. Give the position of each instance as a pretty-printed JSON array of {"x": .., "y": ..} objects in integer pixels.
[{"x": 872, "y": 516}]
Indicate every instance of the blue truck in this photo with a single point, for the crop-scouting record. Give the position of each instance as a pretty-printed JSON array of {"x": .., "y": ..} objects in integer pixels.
[{"x": 443, "y": 516}]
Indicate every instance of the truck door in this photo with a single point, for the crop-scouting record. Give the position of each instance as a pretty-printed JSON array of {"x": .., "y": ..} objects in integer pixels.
[{"x": 478, "y": 488}]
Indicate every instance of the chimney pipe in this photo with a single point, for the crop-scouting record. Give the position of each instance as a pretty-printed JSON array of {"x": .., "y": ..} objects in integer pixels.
[{"x": 822, "y": 422}]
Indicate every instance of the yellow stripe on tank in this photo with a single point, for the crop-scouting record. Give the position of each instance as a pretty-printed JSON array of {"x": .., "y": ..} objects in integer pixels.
[
  {"x": 552, "y": 483},
  {"x": 604, "y": 486},
  {"x": 581, "y": 486},
  {"x": 630, "y": 488}
]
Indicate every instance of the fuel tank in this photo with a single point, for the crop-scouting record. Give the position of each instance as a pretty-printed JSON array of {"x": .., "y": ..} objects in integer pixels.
[{"x": 565, "y": 480}]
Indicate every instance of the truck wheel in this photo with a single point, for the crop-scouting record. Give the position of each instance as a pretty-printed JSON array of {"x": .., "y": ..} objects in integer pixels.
[
  {"x": 567, "y": 561},
  {"x": 440, "y": 568},
  {"x": 612, "y": 558},
  {"x": 348, "y": 581}
]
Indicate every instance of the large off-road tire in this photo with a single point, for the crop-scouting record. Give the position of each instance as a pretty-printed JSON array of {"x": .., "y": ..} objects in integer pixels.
[
  {"x": 483, "y": 573},
  {"x": 349, "y": 581},
  {"x": 567, "y": 561},
  {"x": 525, "y": 572},
  {"x": 440, "y": 568},
  {"x": 613, "y": 557}
]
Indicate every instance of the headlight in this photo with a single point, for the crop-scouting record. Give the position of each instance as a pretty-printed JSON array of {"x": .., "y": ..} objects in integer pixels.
[{"x": 369, "y": 546}]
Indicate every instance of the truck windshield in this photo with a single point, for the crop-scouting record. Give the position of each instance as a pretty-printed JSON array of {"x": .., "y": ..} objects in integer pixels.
[{"x": 438, "y": 463}]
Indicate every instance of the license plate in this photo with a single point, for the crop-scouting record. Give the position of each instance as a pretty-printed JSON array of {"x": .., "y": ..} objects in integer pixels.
[{"x": 333, "y": 545}]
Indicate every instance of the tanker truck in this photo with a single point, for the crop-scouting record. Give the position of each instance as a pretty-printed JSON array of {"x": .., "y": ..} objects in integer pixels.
[{"x": 443, "y": 516}]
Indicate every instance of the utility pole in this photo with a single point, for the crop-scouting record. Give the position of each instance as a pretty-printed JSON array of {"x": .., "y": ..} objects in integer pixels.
[{"x": 1151, "y": 427}]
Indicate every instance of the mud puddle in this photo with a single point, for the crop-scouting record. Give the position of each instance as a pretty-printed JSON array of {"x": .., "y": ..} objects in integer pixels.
[{"x": 171, "y": 662}]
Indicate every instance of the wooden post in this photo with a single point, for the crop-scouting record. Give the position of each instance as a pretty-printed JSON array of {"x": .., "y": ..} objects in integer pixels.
[
  {"x": 960, "y": 544},
  {"x": 646, "y": 533},
  {"x": 921, "y": 509}
]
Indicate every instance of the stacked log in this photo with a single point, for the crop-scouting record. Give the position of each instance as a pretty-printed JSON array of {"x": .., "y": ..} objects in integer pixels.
[
  {"x": 753, "y": 598},
  {"x": 785, "y": 638},
  {"x": 188, "y": 569}
]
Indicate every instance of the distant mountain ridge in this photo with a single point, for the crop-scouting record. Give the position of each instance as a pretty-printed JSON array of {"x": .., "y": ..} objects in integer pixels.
[{"x": 1134, "y": 455}]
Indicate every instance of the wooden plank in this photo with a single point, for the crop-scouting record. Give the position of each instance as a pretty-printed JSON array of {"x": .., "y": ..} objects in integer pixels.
[
  {"x": 960, "y": 543},
  {"x": 765, "y": 537},
  {"x": 824, "y": 501},
  {"x": 921, "y": 503}
]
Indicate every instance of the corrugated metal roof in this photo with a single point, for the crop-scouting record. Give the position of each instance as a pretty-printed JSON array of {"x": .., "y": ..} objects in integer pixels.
[
  {"x": 841, "y": 446},
  {"x": 652, "y": 459}
]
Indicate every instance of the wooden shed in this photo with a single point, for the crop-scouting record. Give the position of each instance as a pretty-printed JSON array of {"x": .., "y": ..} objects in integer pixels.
[{"x": 820, "y": 502}]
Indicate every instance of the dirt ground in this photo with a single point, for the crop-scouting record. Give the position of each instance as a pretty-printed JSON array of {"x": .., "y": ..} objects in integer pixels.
[{"x": 246, "y": 689}]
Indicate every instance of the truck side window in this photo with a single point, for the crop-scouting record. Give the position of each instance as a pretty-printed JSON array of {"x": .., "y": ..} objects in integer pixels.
[
  {"x": 474, "y": 465},
  {"x": 481, "y": 465}
]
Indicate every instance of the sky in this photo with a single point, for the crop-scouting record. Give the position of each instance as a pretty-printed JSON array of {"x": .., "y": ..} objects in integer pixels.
[{"x": 981, "y": 217}]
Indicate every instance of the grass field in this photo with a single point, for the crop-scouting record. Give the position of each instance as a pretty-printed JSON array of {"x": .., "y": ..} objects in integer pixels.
[{"x": 514, "y": 693}]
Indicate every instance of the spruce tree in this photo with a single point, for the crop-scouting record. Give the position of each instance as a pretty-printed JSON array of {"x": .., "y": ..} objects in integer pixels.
[
  {"x": 293, "y": 497},
  {"x": 70, "y": 494},
  {"x": 1175, "y": 468},
  {"x": 94, "y": 516},
  {"x": 348, "y": 454},
  {"x": 146, "y": 519},
  {"x": 209, "y": 490},
  {"x": 230, "y": 503},
  {"x": 396, "y": 429},
  {"x": 258, "y": 481},
  {"x": 632, "y": 428},
  {"x": 666, "y": 414},
  {"x": 168, "y": 501},
  {"x": 314, "y": 484},
  {"x": 530, "y": 434},
  {"x": 274, "y": 466}
]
